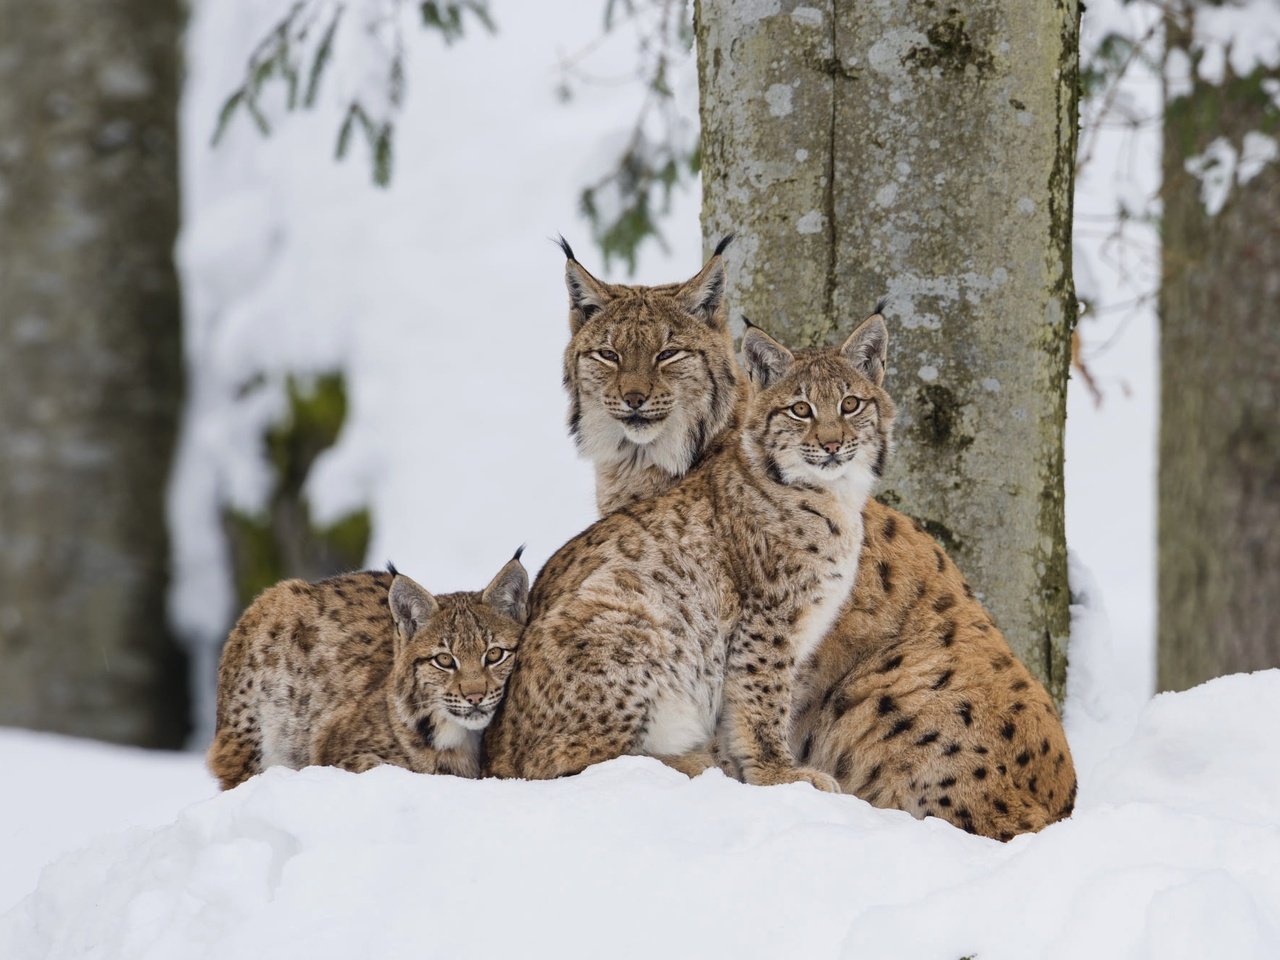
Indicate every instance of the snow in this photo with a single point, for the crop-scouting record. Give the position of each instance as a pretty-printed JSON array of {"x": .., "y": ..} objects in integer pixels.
[
  {"x": 60, "y": 794},
  {"x": 1241, "y": 34},
  {"x": 1216, "y": 171},
  {"x": 1221, "y": 166},
  {"x": 1174, "y": 851}
]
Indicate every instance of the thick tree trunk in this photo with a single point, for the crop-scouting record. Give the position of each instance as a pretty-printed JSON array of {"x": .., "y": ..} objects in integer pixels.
[
  {"x": 1219, "y": 482},
  {"x": 90, "y": 367},
  {"x": 922, "y": 152}
]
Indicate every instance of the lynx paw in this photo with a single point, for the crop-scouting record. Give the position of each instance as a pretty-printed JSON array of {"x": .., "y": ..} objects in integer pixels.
[
  {"x": 361, "y": 762},
  {"x": 691, "y": 764},
  {"x": 816, "y": 778}
]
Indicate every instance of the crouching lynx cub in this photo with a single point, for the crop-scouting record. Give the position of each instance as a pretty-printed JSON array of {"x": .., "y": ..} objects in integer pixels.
[
  {"x": 679, "y": 622},
  {"x": 365, "y": 669}
]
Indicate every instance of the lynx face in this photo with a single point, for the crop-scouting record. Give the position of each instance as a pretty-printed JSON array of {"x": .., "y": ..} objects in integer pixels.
[
  {"x": 649, "y": 370},
  {"x": 454, "y": 652},
  {"x": 820, "y": 415}
]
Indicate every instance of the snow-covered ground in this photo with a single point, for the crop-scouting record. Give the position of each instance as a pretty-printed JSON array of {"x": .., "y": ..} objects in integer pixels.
[{"x": 1173, "y": 852}]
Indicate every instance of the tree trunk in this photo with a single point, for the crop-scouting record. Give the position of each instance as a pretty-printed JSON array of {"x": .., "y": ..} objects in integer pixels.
[
  {"x": 90, "y": 367},
  {"x": 1219, "y": 479},
  {"x": 922, "y": 152}
]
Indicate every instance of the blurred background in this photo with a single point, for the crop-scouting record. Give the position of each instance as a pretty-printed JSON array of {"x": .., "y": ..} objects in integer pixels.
[{"x": 277, "y": 299}]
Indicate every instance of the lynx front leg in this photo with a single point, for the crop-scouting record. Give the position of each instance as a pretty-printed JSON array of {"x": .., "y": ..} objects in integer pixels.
[{"x": 758, "y": 680}]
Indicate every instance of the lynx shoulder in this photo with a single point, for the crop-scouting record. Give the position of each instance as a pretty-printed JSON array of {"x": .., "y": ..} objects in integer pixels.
[{"x": 365, "y": 669}]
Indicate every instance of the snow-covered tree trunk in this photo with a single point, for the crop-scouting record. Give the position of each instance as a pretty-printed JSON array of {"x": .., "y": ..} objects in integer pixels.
[
  {"x": 923, "y": 152},
  {"x": 90, "y": 367},
  {"x": 1219, "y": 480}
]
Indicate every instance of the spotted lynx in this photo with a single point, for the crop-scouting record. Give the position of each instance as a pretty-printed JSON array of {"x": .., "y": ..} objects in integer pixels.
[
  {"x": 679, "y": 622},
  {"x": 914, "y": 699},
  {"x": 365, "y": 669}
]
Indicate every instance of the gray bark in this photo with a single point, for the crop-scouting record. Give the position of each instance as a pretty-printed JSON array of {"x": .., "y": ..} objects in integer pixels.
[
  {"x": 1219, "y": 475},
  {"x": 89, "y": 367},
  {"x": 923, "y": 152}
]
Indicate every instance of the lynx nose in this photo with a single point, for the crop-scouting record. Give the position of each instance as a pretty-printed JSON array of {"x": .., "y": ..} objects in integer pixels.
[
  {"x": 474, "y": 697},
  {"x": 634, "y": 400},
  {"x": 831, "y": 446}
]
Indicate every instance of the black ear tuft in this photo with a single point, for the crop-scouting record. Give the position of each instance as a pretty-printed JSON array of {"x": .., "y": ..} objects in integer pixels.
[
  {"x": 508, "y": 592},
  {"x": 564, "y": 245},
  {"x": 411, "y": 606},
  {"x": 748, "y": 324},
  {"x": 723, "y": 244},
  {"x": 868, "y": 348},
  {"x": 519, "y": 551},
  {"x": 391, "y": 569},
  {"x": 880, "y": 305}
]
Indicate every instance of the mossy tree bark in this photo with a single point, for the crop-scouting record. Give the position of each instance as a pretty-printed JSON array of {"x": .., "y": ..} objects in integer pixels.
[
  {"x": 924, "y": 152},
  {"x": 90, "y": 367},
  {"x": 1219, "y": 475}
]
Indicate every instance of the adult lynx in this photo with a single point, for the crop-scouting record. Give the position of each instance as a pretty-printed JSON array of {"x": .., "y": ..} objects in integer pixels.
[
  {"x": 914, "y": 699},
  {"x": 681, "y": 620}
]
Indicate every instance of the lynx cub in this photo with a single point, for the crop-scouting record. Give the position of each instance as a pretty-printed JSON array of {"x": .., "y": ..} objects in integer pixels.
[
  {"x": 365, "y": 669},
  {"x": 680, "y": 621},
  {"x": 914, "y": 699}
]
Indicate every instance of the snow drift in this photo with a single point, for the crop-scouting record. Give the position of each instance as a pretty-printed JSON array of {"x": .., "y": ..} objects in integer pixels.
[{"x": 1174, "y": 851}]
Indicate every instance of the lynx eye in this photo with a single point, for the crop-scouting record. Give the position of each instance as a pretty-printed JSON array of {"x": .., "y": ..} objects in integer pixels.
[
  {"x": 668, "y": 355},
  {"x": 800, "y": 410},
  {"x": 495, "y": 655},
  {"x": 851, "y": 405},
  {"x": 608, "y": 356},
  {"x": 444, "y": 661}
]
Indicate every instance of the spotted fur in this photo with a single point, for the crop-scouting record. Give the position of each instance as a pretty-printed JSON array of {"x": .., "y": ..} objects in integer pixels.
[
  {"x": 912, "y": 639},
  {"x": 365, "y": 669},
  {"x": 677, "y": 624}
]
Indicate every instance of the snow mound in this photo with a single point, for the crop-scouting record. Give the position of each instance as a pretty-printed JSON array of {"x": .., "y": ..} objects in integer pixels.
[
  {"x": 1174, "y": 851},
  {"x": 62, "y": 793}
]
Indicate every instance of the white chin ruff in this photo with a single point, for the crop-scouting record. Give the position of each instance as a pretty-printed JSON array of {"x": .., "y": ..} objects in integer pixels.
[
  {"x": 474, "y": 722},
  {"x": 644, "y": 434},
  {"x": 829, "y": 473}
]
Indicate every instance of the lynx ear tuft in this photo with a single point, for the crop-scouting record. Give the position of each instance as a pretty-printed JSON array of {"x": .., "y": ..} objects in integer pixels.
[
  {"x": 703, "y": 295},
  {"x": 411, "y": 606},
  {"x": 723, "y": 244},
  {"x": 868, "y": 347},
  {"x": 508, "y": 592},
  {"x": 765, "y": 358},
  {"x": 564, "y": 245},
  {"x": 586, "y": 294}
]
